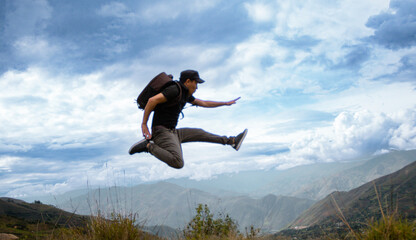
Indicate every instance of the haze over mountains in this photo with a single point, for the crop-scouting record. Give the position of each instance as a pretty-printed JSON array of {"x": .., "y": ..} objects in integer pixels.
[
  {"x": 269, "y": 200},
  {"x": 314, "y": 181}
]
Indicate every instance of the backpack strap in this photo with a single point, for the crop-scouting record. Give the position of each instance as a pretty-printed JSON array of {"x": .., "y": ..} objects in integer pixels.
[{"x": 179, "y": 97}]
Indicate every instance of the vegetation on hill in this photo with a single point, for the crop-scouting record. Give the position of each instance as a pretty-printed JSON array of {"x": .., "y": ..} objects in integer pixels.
[
  {"x": 390, "y": 227},
  {"x": 100, "y": 228},
  {"x": 34, "y": 220},
  {"x": 204, "y": 226}
]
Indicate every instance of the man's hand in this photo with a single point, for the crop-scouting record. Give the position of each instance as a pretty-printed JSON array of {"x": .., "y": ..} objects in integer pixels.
[
  {"x": 232, "y": 101},
  {"x": 146, "y": 132}
]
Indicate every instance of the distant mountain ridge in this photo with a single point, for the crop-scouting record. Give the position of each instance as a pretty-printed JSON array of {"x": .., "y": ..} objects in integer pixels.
[
  {"x": 396, "y": 190},
  {"x": 348, "y": 179},
  {"x": 174, "y": 206},
  {"x": 313, "y": 181}
]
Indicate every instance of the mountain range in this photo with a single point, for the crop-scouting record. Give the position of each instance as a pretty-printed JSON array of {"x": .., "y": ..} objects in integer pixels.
[
  {"x": 171, "y": 205},
  {"x": 314, "y": 181},
  {"x": 270, "y": 200}
]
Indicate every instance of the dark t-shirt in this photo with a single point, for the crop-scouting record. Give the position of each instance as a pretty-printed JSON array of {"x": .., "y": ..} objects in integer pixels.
[{"x": 167, "y": 114}]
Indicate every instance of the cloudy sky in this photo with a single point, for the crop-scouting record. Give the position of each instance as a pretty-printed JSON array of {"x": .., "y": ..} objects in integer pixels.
[{"x": 319, "y": 81}]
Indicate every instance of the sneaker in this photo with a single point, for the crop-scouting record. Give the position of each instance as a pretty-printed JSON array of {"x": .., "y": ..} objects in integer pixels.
[
  {"x": 140, "y": 146},
  {"x": 238, "y": 140}
]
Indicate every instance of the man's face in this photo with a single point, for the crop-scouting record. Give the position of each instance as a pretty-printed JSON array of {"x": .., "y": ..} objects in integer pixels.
[{"x": 192, "y": 86}]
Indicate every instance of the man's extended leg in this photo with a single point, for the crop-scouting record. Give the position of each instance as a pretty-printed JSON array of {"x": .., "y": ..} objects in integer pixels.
[{"x": 199, "y": 135}]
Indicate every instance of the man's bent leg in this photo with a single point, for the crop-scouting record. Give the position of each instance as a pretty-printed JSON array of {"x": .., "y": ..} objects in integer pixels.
[
  {"x": 167, "y": 147},
  {"x": 199, "y": 135}
]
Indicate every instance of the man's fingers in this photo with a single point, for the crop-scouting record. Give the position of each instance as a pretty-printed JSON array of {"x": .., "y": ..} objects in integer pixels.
[
  {"x": 234, "y": 101},
  {"x": 146, "y": 135},
  {"x": 145, "y": 131}
]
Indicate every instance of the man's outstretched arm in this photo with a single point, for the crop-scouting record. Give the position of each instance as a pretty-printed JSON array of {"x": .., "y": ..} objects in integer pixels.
[
  {"x": 213, "y": 104},
  {"x": 150, "y": 106}
]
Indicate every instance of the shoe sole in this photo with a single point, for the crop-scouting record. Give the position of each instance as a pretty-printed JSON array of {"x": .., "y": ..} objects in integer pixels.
[
  {"x": 242, "y": 139},
  {"x": 134, "y": 145}
]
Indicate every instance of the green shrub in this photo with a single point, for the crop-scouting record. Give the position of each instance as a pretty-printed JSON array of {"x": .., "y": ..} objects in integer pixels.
[{"x": 204, "y": 226}]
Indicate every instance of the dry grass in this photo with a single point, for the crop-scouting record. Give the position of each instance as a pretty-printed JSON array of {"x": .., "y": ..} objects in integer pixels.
[
  {"x": 99, "y": 228},
  {"x": 389, "y": 226}
]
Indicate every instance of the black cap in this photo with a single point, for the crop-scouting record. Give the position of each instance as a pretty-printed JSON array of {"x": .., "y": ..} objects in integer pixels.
[{"x": 190, "y": 74}]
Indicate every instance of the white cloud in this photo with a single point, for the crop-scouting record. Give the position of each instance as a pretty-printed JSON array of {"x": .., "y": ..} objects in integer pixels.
[
  {"x": 35, "y": 47},
  {"x": 184, "y": 56},
  {"x": 385, "y": 64},
  {"x": 243, "y": 71},
  {"x": 39, "y": 190},
  {"x": 118, "y": 10},
  {"x": 6, "y": 163},
  {"x": 169, "y": 10},
  {"x": 354, "y": 134},
  {"x": 260, "y": 12},
  {"x": 404, "y": 137},
  {"x": 374, "y": 96},
  {"x": 43, "y": 108},
  {"x": 155, "y": 12},
  {"x": 343, "y": 20}
]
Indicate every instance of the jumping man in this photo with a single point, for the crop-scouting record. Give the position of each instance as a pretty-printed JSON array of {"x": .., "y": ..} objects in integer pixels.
[{"x": 164, "y": 142}]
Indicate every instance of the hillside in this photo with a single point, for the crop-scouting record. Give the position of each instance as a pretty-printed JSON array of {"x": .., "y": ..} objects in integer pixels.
[
  {"x": 38, "y": 212},
  {"x": 30, "y": 220},
  {"x": 396, "y": 190}
]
